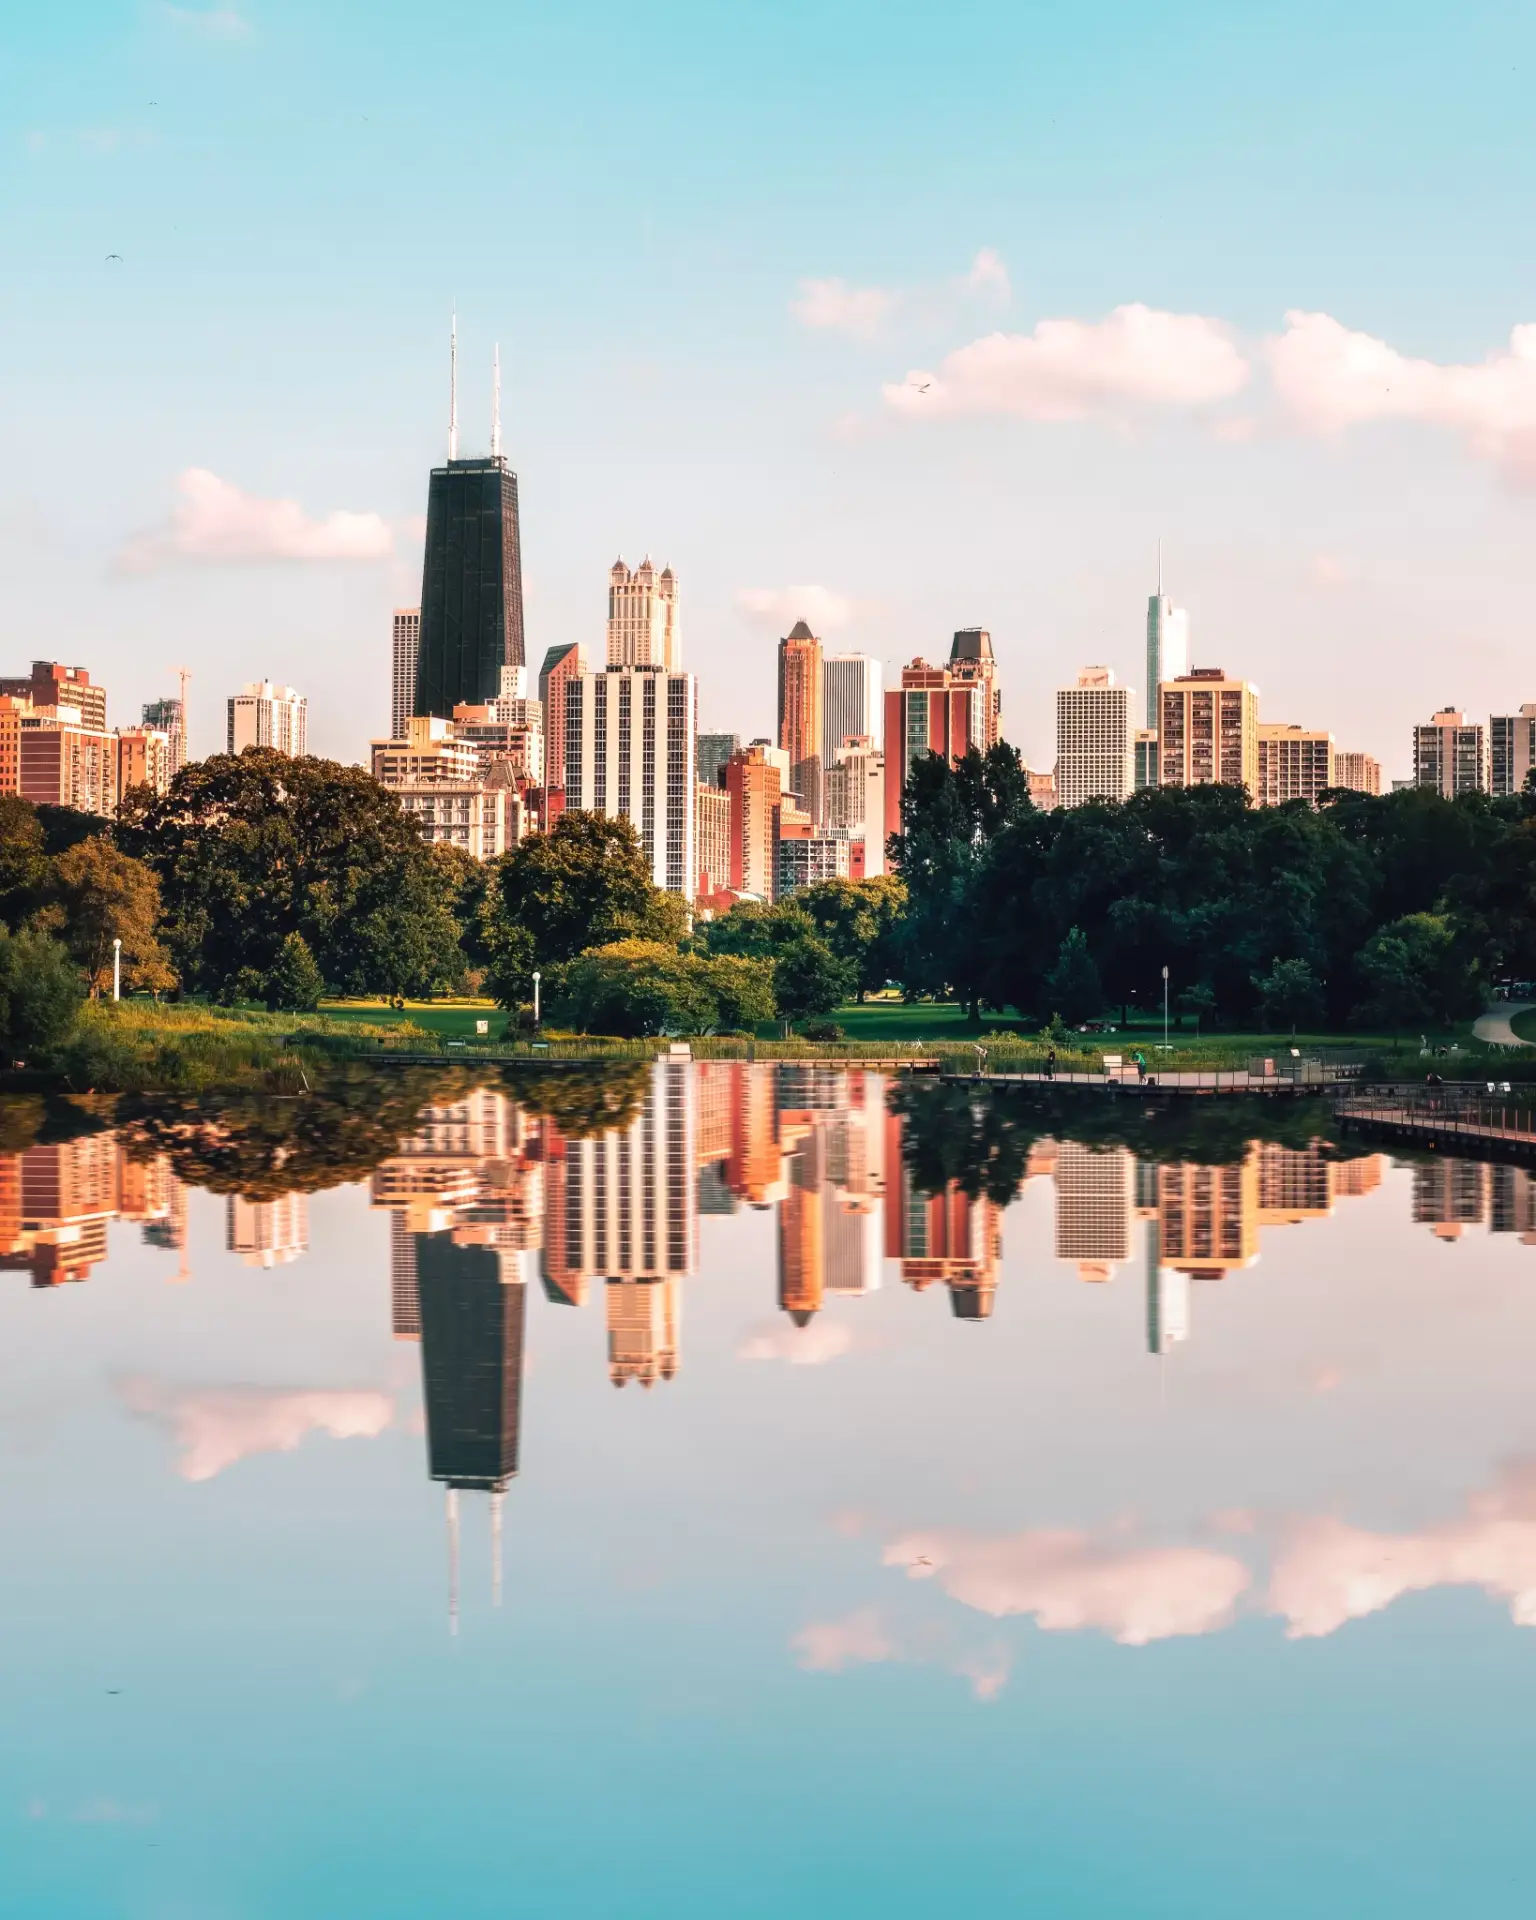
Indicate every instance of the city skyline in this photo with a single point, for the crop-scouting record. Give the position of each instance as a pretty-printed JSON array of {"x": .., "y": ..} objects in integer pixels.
[{"x": 1313, "y": 536}]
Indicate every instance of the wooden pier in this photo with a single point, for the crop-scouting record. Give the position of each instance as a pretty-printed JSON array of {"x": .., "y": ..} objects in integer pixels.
[{"x": 1481, "y": 1128}]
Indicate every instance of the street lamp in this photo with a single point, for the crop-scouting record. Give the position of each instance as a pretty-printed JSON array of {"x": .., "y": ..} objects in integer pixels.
[
  {"x": 117, "y": 969},
  {"x": 537, "y": 976},
  {"x": 1165, "y": 1009}
]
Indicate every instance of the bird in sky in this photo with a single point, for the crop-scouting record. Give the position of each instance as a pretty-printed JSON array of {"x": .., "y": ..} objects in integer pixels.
[
  {"x": 114, "y": 256},
  {"x": 922, "y": 1560}
]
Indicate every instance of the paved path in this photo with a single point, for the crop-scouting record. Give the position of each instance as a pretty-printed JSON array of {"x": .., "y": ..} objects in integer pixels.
[{"x": 1493, "y": 1026}]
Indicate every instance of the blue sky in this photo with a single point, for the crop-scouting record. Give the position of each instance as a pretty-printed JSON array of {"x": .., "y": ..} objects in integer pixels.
[{"x": 647, "y": 206}]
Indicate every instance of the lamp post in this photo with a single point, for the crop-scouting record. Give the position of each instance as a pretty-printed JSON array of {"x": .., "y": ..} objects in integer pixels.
[
  {"x": 1165, "y": 1009},
  {"x": 117, "y": 969},
  {"x": 537, "y": 976}
]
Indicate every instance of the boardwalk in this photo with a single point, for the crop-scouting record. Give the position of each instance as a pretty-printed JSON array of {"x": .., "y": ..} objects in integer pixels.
[
  {"x": 1192, "y": 1080},
  {"x": 1489, "y": 1127}
]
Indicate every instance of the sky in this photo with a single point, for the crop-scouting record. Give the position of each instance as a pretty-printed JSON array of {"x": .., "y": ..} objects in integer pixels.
[{"x": 898, "y": 321}]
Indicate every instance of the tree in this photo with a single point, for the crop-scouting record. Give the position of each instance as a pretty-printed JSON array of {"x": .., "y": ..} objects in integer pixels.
[
  {"x": 858, "y": 919},
  {"x": 252, "y": 847},
  {"x": 1072, "y": 986},
  {"x": 586, "y": 883},
  {"x": 633, "y": 988},
  {"x": 1416, "y": 975},
  {"x": 753, "y": 930},
  {"x": 40, "y": 995},
  {"x": 1198, "y": 1000},
  {"x": 295, "y": 983},
  {"x": 101, "y": 896},
  {"x": 742, "y": 989},
  {"x": 23, "y": 859},
  {"x": 808, "y": 978},
  {"x": 1289, "y": 995}
]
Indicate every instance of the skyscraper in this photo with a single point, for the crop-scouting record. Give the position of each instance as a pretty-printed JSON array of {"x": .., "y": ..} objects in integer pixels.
[
  {"x": 753, "y": 785},
  {"x": 405, "y": 645},
  {"x": 53, "y": 686},
  {"x": 1512, "y": 749},
  {"x": 1295, "y": 763},
  {"x": 1167, "y": 642},
  {"x": 1208, "y": 731},
  {"x": 1450, "y": 757},
  {"x": 1094, "y": 1203},
  {"x": 561, "y": 666},
  {"x": 472, "y": 573},
  {"x": 267, "y": 1233},
  {"x": 1094, "y": 753},
  {"x": 931, "y": 712},
  {"x": 800, "y": 713},
  {"x": 264, "y": 715},
  {"x": 630, "y": 736},
  {"x": 971, "y": 662},
  {"x": 169, "y": 717},
  {"x": 852, "y": 703},
  {"x": 471, "y": 1316},
  {"x": 645, "y": 626},
  {"x": 1360, "y": 772},
  {"x": 714, "y": 750}
]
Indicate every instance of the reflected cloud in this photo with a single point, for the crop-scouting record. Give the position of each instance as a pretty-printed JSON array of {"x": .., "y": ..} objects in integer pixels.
[
  {"x": 1329, "y": 1572},
  {"x": 217, "y": 1427},
  {"x": 1067, "y": 1581},
  {"x": 808, "y": 1346},
  {"x": 864, "y": 1638}
]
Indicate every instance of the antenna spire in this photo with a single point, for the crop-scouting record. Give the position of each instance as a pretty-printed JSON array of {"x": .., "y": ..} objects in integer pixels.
[
  {"x": 1159, "y": 567},
  {"x": 496, "y": 402},
  {"x": 453, "y": 385}
]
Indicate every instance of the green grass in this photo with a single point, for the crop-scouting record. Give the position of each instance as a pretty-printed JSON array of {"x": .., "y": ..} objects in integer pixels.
[
  {"x": 453, "y": 1018},
  {"x": 1523, "y": 1025}
]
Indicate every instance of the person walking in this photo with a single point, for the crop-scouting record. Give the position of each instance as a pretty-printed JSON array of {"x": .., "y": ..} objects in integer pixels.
[{"x": 1050, "y": 1064}]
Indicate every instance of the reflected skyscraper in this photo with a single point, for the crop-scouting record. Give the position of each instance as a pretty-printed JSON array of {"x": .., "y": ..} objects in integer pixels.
[
  {"x": 471, "y": 1307},
  {"x": 1095, "y": 1196},
  {"x": 267, "y": 1233}
]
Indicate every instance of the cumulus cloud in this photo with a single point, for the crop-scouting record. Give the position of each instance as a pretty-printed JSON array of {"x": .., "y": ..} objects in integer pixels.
[
  {"x": 1328, "y": 1572},
  {"x": 837, "y": 307},
  {"x": 809, "y": 1346},
  {"x": 1137, "y": 357},
  {"x": 863, "y": 1638},
  {"x": 989, "y": 276},
  {"x": 214, "y": 521},
  {"x": 780, "y": 607},
  {"x": 210, "y": 23},
  {"x": 216, "y": 1427},
  {"x": 1068, "y": 1581},
  {"x": 1329, "y": 377}
]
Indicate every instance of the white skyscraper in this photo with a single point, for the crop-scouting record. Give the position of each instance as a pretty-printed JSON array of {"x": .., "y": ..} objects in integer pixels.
[
  {"x": 1167, "y": 642},
  {"x": 1095, "y": 740},
  {"x": 631, "y": 749},
  {"x": 402, "y": 685},
  {"x": 1095, "y": 1198},
  {"x": 645, "y": 622},
  {"x": 267, "y": 716},
  {"x": 852, "y": 702},
  {"x": 267, "y": 1233}
]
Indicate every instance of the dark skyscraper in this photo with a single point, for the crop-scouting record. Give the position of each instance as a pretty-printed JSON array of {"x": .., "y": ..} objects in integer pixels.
[
  {"x": 471, "y": 1363},
  {"x": 472, "y": 576}
]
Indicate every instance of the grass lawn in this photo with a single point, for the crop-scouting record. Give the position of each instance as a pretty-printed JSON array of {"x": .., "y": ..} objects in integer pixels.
[
  {"x": 455, "y": 1018},
  {"x": 1523, "y": 1025}
]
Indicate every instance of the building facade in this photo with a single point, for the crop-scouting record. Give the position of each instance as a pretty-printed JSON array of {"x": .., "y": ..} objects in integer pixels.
[
  {"x": 170, "y": 718},
  {"x": 852, "y": 703},
  {"x": 714, "y": 750},
  {"x": 754, "y": 786},
  {"x": 644, "y": 617},
  {"x": 930, "y": 712},
  {"x": 264, "y": 715},
  {"x": 1295, "y": 763},
  {"x": 50, "y": 685},
  {"x": 971, "y": 663},
  {"x": 630, "y": 752},
  {"x": 561, "y": 666},
  {"x": 143, "y": 759},
  {"x": 800, "y": 714},
  {"x": 1511, "y": 749},
  {"x": 1095, "y": 758},
  {"x": 1144, "y": 747},
  {"x": 58, "y": 761},
  {"x": 1449, "y": 756},
  {"x": 405, "y": 645},
  {"x": 471, "y": 586},
  {"x": 1360, "y": 772},
  {"x": 804, "y": 861},
  {"x": 1167, "y": 646},
  {"x": 713, "y": 838},
  {"x": 1208, "y": 731}
]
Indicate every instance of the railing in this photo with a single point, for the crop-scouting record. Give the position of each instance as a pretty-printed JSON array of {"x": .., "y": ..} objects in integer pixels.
[{"x": 1454, "y": 1113}]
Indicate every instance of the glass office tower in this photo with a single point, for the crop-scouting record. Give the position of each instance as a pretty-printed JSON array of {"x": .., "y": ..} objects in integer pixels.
[{"x": 471, "y": 586}]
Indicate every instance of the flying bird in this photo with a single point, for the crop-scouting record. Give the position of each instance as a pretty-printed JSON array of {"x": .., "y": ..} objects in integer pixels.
[
  {"x": 922, "y": 1560},
  {"x": 114, "y": 256}
]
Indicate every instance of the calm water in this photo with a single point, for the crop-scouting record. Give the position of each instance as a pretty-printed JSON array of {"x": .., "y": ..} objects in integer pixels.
[{"x": 1160, "y": 1541}]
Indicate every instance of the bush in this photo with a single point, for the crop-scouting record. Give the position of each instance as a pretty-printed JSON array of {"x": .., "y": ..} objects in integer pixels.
[
  {"x": 40, "y": 997},
  {"x": 822, "y": 1030}
]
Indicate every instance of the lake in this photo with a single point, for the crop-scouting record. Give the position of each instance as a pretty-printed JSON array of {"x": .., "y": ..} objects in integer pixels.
[{"x": 723, "y": 1490}]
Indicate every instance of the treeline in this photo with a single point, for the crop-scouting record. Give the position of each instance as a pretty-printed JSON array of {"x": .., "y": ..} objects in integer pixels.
[
  {"x": 1392, "y": 911},
  {"x": 261, "y": 878}
]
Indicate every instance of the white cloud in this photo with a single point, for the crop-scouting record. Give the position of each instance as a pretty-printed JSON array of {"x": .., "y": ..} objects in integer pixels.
[
  {"x": 214, "y": 522},
  {"x": 989, "y": 276},
  {"x": 780, "y": 607},
  {"x": 835, "y": 306},
  {"x": 859, "y": 1639},
  {"x": 808, "y": 1346},
  {"x": 1329, "y": 1572},
  {"x": 1068, "y": 369},
  {"x": 212, "y": 23},
  {"x": 1329, "y": 377},
  {"x": 1068, "y": 1581},
  {"x": 216, "y": 1427}
]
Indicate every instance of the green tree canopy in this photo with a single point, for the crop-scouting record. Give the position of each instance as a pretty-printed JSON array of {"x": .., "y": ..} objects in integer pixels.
[
  {"x": 295, "y": 983},
  {"x": 1073, "y": 987},
  {"x": 252, "y": 847},
  {"x": 100, "y": 895},
  {"x": 40, "y": 996},
  {"x": 633, "y": 988},
  {"x": 809, "y": 979},
  {"x": 859, "y": 920},
  {"x": 23, "y": 859},
  {"x": 1290, "y": 995}
]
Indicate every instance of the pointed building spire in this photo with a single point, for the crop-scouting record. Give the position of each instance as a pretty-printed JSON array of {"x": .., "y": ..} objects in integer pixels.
[
  {"x": 496, "y": 402},
  {"x": 453, "y": 1561},
  {"x": 453, "y": 385},
  {"x": 1159, "y": 567},
  {"x": 496, "y": 1500}
]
